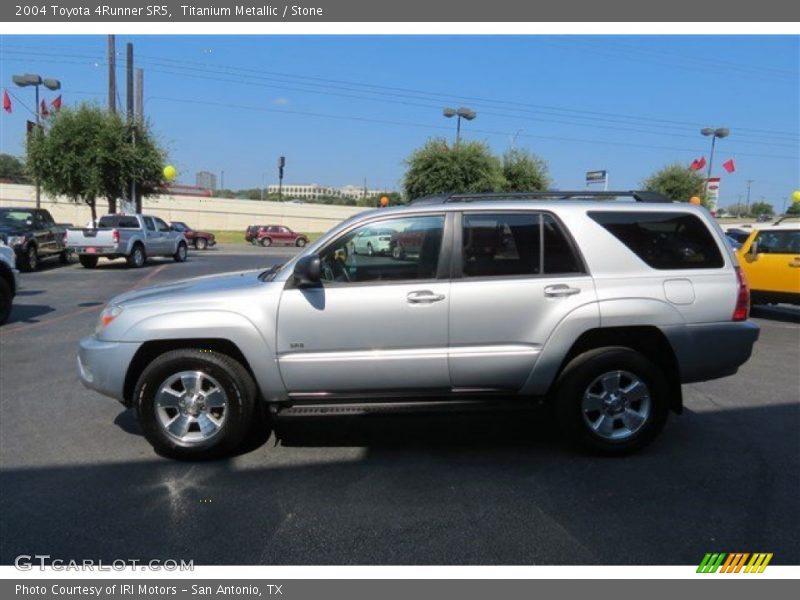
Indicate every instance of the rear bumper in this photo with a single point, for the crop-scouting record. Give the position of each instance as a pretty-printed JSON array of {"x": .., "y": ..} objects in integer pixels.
[
  {"x": 102, "y": 366},
  {"x": 711, "y": 350}
]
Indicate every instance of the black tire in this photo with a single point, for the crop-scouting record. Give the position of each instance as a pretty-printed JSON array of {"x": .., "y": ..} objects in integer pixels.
[
  {"x": 29, "y": 261},
  {"x": 265, "y": 242},
  {"x": 137, "y": 258},
  {"x": 300, "y": 242},
  {"x": 398, "y": 253},
  {"x": 87, "y": 262},
  {"x": 576, "y": 380},
  {"x": 233, "y": 378},
  {"x": 181, "y": 254},
  {"x": 6, "y": 300},
  {"x": 64, "y": 257},
  {"x": 200, "y": 243}
]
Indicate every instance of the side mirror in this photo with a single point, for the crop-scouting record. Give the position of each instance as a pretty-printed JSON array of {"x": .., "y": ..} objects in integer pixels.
[{"x": 307, "y": 271}]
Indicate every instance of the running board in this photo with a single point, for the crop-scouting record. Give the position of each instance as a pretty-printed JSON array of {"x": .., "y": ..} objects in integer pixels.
[{"x": 334, "y": 408}]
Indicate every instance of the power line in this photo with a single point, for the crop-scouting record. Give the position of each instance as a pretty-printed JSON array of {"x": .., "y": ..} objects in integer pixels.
[{"x": 217, "y": 70}]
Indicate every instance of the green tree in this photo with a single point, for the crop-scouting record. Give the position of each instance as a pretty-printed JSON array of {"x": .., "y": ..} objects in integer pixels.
[
  {"x": 524, "y": 172},
  {"x": 676, "y": 182},
  {"x": 12, "y": 169},
  {"x": 794, "y": 209},
  {"x": 761, "y": 208},
  {"x": 85, "y": 153},
  {"x": 438, "y": 168},
  {"x": 740, "y": 209}
]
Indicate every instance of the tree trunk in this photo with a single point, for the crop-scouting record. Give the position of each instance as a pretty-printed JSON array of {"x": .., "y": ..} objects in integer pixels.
[
  {"x": 112, "y": 205},
  {"x": 93, "y": 205}
]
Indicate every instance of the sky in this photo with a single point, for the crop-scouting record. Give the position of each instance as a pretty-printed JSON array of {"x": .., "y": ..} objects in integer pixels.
[{"x": 343, "y": 109}]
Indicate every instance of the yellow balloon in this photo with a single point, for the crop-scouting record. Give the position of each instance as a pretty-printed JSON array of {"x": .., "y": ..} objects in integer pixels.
[
  {"x": 694, "y": 200},
  {"x": 796, "y": 196},
  {"x": 170, "y": 173}
]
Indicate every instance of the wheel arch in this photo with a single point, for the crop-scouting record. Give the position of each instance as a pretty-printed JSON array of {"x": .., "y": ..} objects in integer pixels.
[{"x": 647, "y": 340}]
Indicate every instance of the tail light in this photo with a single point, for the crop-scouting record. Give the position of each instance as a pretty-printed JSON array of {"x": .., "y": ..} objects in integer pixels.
[
  {"x": 742, "y": 310},
  {"x": 115, "y": 235}
]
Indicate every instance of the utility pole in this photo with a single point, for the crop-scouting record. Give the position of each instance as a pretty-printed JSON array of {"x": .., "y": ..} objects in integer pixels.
[
  {"x": 749, "y": 183},
  {"x": 281, "y": 165},
  {"x": 140, "y": 95},
  {"x": 222, "y": 179},
  {"x": 131, "y": 124},
  {"x": 112, "y": 75}
]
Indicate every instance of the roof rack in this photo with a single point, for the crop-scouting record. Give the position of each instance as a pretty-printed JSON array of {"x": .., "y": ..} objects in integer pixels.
[{"x": 637, "y": 195}]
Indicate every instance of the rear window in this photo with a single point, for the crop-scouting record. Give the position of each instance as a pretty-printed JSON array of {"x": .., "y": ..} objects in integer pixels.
[
  {"x": 663, "y": 240},
  {"x": 119, "y": 221}
]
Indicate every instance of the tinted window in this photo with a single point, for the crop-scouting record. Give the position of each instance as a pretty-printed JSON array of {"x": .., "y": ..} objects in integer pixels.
[
  {"x": 411, "y": 251},
  {"x": 162, "y": 226},
  {"x": 501, "y": 244},
  {"x": 664, "y": 240},
  {"x": 508, "y": 244},
  {"x": 559, "y": 255},
  {"x": 778, "y": 242},
  {"x": 119, "y": 221}
]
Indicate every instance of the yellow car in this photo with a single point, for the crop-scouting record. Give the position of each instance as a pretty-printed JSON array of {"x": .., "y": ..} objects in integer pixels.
[{"x": 770, "y": 259}]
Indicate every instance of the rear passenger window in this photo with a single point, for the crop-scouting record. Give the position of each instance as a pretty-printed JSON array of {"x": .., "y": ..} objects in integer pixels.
[
  {"x": 512, "y": 244},
  {"x": 664, "y": 240}
]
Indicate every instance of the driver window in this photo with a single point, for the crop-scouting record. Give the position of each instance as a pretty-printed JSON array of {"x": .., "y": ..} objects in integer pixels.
[
  {"x": 162, "y": 226},
  {"x": 402, "y": 249}
]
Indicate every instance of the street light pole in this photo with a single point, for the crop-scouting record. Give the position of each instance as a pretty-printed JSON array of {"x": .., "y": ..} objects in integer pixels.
[
  {"x": 460, "y": 113},
  {"x": 35, "y": 80},
  {"x": 719, "y": 132}
]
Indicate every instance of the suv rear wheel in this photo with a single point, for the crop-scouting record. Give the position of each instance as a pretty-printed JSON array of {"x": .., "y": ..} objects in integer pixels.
[
  {"x": 195, "y": 404},
  {"x": 265, "y": 241},
  {"x": 87, "y": 261},
  {"x": 611, "y": 400}
]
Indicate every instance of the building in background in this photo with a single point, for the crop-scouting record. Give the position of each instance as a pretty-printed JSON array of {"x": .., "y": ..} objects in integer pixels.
[
  {"x": 206, "y": 180},
  {"x": 313, "y": 191}
]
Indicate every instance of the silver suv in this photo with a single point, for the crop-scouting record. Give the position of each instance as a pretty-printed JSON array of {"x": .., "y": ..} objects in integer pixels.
[{"x": 596, "y": 306}]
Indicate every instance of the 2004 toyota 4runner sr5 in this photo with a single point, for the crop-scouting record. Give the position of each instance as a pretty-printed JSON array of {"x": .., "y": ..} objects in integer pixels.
[{"x": 599, "y": 307}]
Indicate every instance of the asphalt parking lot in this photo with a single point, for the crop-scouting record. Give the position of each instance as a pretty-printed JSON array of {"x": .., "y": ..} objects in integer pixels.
[{"x": 77, "y": 479}]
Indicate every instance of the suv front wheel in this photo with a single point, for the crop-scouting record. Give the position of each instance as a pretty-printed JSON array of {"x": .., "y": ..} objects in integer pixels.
[
  {"x": 195, "y": 404},
  {"x": 611, "y": 400}
]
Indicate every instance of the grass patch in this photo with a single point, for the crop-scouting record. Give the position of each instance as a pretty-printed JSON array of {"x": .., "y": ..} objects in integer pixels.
[{"x": 237, "y": 237}]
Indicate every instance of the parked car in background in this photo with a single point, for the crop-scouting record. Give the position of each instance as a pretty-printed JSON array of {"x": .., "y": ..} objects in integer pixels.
[
  {"x": 373, "y": 241},
  {"x": 132, "y": 237},
  {"x": 279, "y": 235},
  {"x": 33, "y": 235},
  {"x": 199, "y": 239},
  {"x": 770, "y": 259},
  {"x": 600, "y": 309},
  {"x": 9, "y": 281},
  {"x": 251, "y": 233}
]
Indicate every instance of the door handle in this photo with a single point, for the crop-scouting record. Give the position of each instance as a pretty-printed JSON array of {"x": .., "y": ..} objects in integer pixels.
[
  {"x": 560, "y": 291},
  {"x": 795, "y": 263},
  {"x": 424, "y": 297}
]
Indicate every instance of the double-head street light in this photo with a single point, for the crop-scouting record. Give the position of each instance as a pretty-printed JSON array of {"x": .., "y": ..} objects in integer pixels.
[
  {"x": 719, "y": 132},
  {"x": 32, "y": 79},
  {"x": 460, "y": 113}
]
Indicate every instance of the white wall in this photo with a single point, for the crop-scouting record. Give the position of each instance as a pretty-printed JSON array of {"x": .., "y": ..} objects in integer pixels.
[{"x": 198, "y": 212}]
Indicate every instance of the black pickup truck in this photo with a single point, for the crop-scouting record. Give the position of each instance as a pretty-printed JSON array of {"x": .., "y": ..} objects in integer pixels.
[{"x": 33, "y": 235}]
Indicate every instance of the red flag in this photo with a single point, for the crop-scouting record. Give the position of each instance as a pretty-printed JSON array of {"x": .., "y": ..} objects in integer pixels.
[
  {"x": 44, "y": 111},
  {"x": 729, "y": 166},
  {"x": 6, "y": 102},
  {"x": 56, "y": 104},
  {"x": 698, "y": 163}
]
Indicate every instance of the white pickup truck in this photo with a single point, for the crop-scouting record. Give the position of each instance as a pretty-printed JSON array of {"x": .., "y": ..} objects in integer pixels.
[{"x": 133, "y": 237}]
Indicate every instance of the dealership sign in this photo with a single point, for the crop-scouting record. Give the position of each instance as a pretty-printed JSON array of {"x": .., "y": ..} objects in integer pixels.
[{"x": 712, "y": 193}]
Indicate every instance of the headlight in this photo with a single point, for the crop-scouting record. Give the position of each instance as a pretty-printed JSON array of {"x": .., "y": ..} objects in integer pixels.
[
  {"x": 16, "y": 240},
  {"x": 110, "y": 312}
]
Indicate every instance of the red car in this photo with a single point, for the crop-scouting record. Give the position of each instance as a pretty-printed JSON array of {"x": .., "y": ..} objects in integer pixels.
[
  {"x": 200, "y": 239},
  {"x": 278, "y": 235}
]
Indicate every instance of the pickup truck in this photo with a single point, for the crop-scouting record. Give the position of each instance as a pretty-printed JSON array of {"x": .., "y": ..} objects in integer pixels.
[
  {"x": 33, "y": 235},
  {"x": 132, "y": 237}
]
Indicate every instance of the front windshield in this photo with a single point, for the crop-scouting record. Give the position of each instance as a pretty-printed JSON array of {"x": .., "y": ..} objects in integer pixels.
[{"x": 16, "y": 218}]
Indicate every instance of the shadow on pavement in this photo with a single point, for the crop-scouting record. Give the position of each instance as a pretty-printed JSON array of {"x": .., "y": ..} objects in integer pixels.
[
  {"x": 785, "y": 313},
  {"x": 429, "y": 490},
  {"x": 28, "y": 313}
]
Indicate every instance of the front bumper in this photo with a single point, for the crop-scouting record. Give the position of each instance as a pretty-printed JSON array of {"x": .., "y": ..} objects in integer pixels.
[
  {"x": 102, "y": 366},
  {"x": 711, "y": 350}
]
